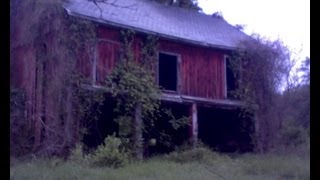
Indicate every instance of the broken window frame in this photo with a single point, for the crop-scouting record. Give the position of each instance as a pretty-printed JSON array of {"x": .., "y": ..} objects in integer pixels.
[
  {"x": 236, "y": 80},
  {"x": 178, "y": 71}
]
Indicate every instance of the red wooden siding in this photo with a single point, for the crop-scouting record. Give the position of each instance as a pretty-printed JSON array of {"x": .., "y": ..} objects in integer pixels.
[
  {"x": 101, "y": 58},
  {"x": 108, "y": 54},
  {"x": 201, "y": 69},
  {"x": 85, "y": 62},
  {"x": 23, "y": 76},
  {"x": 110, "y": 34}
]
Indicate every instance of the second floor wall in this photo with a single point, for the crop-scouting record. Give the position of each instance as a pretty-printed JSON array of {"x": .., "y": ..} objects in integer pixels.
[{"x": 182, "y": 68}]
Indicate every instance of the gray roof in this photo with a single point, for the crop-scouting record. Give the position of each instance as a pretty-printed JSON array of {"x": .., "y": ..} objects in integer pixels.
[{"x": 154, "y": 18}]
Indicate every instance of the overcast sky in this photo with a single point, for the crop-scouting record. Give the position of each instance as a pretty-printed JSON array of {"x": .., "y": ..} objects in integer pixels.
[{"x": 288, "y": 20}]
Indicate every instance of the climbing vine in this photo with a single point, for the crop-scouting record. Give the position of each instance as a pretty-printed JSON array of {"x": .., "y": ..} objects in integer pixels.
[
  {"x": 53, "y": 40},
  {"x": 132, "y": 83}
]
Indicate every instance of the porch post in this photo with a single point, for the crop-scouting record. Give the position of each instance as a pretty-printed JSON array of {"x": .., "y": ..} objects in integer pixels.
[{"x": 194, "y": 125}]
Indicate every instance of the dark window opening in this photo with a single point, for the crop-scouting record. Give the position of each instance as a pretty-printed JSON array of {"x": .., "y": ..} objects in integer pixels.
[
  {"x": 168, "y": 71},
  {"x": 231, "y": 80},
  {"x": 224, "y": 130},
  {"x": 167, "y": 138},
  {"x": 98, "y": 130}
]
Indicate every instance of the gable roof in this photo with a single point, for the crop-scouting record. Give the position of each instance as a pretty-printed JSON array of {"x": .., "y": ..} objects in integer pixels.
[{"x": 162, "y": 20}]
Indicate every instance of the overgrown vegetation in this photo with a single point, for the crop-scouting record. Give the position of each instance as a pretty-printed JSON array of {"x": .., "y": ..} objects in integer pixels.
[
  {"x": 112, "y": 153},
  {"x": 263, "y": 68},
  {"x": 187, "y": 4},
  {"x": 19, "y": 129},
  {"x": 50, "y": 119},
  {"x": 132, "y": 83},
  {"x": 49, "y": 41},
  {"x": 59, "y": 109},
  {"x": 212, "y": 165}
]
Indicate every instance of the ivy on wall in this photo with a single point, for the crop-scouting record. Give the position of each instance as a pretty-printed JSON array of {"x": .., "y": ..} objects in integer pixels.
[{"x": 132, "y": 83}]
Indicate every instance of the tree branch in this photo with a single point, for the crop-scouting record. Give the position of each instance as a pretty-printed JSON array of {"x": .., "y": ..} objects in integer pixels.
[{"x": 113, "y": 3}]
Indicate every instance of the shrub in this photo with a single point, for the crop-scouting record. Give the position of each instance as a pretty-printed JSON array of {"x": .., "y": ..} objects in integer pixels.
[
  {"x": 77, "y": 155},
  {"x": 110, "y": 154}
]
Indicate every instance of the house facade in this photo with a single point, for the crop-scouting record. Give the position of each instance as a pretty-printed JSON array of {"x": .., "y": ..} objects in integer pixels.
[
  {"x": 191, "y": 67},
  {"x": 192, "y": 63}
]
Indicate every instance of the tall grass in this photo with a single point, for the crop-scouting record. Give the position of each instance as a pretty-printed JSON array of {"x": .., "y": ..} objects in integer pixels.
[{"x": 188, "y": 165}]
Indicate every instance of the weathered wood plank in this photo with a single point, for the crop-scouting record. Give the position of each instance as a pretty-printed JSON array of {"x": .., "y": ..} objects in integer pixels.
[
  {"x": 201, "y": 68},
  {"x": 223, "y": 103},
  {"x": 194, "y": 124}
]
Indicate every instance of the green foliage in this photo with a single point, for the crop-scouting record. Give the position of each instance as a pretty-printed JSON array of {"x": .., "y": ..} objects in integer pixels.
[
  {"x": 187, "y": 4},
  {"x": 248, "y": 166},
  {"x": 132, "y": 83},
  {"x": 293, "y": 109},
  {"x": 260, "y": 66},
  {"x": 125, "y": 126},
  {"x": 305, "y": 69},
  {"x": 176, "y": 123},
  {"x": 87, "y": 106},
  {"x": 219, "y": 15},
  {"x": 293, "y": 135},
  {"x": 53, "y": 39},
  {"x": 110, "y": 154},
  {"x": 77, "y": 155},
  {"x": 127, "y": 37},
  {"x": 81, "y": 34},
  {"x": 149, "y": 54}
]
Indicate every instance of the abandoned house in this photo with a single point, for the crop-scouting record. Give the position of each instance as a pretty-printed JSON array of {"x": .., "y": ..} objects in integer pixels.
[{"x": 192, "y": 67}]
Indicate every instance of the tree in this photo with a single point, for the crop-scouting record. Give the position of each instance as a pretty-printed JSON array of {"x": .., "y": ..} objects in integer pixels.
[
  {"x": 188, "y": 4},
  {"x": 305, "y": 69},
  {"x": 260, "y": 66},
  {"x": 294, "y": 108}
]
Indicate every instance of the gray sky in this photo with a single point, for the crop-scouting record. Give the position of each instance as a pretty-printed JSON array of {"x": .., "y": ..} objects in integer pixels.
[{"x": 288, "y": 20}]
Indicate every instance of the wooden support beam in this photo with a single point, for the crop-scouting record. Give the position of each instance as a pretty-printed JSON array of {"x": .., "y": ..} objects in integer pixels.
[
  {"x": 194, "y": 124},
  {"x": 220, "y": 103}
]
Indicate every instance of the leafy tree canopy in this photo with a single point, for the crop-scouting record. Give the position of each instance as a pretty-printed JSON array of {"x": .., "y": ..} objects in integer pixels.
[{"x": 188, "y": 4}]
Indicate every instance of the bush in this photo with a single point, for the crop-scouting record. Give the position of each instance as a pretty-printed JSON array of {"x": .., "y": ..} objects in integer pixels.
[
  {"x": 77, "y": 155},
  {"x": 110, "y": 154},
  {"x": 293, "y": 139}
]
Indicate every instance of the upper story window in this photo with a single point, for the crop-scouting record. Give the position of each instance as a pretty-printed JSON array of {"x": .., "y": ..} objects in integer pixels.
[{"x": 168, "y": 71}]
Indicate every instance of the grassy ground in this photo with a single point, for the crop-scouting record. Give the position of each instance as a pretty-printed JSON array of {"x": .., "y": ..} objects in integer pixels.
[{"x": 187, "y": 166}]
